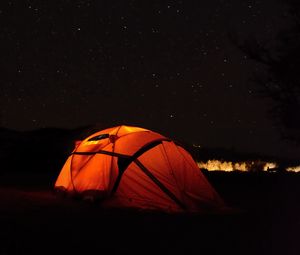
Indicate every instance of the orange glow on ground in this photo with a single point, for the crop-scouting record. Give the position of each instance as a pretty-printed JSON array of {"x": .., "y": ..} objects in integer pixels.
[
  {"x": 228, "y": 166},
  {"x": 295, "y": 169},
  {"x": 269, "y": 165},
  {"x": 216, "y": 165}
]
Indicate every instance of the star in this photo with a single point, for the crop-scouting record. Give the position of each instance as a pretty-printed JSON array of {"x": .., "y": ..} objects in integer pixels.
[{"x": 97, "y": 61}]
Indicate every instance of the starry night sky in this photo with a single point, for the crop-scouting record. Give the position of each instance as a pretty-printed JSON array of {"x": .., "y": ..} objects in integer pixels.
[{"x": 169, "y": 66}]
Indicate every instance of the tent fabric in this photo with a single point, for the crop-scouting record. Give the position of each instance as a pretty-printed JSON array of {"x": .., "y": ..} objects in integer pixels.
[{"x": 139, "y": 168}]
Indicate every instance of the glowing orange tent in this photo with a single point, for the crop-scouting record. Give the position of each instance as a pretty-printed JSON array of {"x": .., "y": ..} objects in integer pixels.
[{"x": 136, "y": 167}]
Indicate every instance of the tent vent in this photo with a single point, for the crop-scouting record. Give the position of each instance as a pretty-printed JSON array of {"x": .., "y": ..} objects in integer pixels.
[{"x": 99, "y": 137}]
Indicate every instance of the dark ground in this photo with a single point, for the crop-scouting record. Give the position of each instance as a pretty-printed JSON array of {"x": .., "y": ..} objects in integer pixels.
[{"x": 34, "y": 220}]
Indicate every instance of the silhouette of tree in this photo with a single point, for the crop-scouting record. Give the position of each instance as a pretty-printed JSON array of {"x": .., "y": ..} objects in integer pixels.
[{"x": 281, "y": 79}]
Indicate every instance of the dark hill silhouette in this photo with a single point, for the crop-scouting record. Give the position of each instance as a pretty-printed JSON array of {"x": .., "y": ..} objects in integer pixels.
[
  {"x": 45, "y": 150},
  {"x": 36, "y": 151}
]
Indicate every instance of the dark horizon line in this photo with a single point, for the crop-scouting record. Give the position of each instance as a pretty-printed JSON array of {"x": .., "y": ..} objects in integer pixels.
[{"x": 221, "y": 153}]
